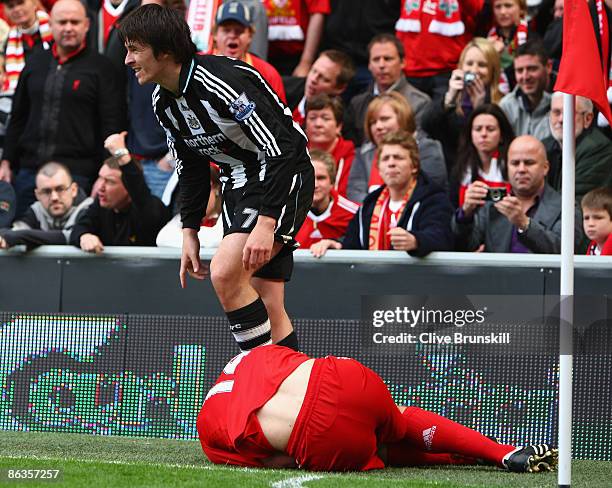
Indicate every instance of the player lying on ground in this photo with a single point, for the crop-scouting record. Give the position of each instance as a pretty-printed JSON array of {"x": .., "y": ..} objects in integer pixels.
[{"x": 275, "y": 407}]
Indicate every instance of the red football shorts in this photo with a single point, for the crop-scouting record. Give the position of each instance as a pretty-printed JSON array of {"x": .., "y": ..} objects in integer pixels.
[{"x": 347, "y": 412}]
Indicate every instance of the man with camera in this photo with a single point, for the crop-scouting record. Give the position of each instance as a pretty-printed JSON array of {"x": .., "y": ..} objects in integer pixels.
[{"x": 526, "y": 221}]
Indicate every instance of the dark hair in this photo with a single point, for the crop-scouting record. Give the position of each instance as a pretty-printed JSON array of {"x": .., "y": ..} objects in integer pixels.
[
  {"x": 347, "y": 67},
  {"x": 385, "y": 38},
  {"x": 533, "y": 47},
  {"x": 321, "y": 101},
  {"x": 162, "y": 28},
  {"x": 598, "y": 199},
  {"x": 179, "y": 5},
  {"x": 112, "y": 163},
  {"x": 468, "y": 157}
]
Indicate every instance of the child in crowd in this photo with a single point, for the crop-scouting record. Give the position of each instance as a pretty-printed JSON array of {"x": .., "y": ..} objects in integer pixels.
[
  {"x": 330, "y": 213},
  {"x": 597, "y": 221},
  {"x": 510, "y": 28},
  {"x": 509, "y": 31}
]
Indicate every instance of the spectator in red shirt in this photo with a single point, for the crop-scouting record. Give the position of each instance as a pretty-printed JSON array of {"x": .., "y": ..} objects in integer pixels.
[
  {"x": 232, "y": 36},
  {"x": 324, "y": 115},
  {"x": 295, "y": 28},
  {"x": 434, "y": 34},
  {"x": 330, "y": 213},
  {"x": 597, "y": 221}
]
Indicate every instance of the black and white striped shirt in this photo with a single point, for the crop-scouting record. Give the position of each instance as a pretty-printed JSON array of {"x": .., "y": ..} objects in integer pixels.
[{"x": 227, "y": 113}]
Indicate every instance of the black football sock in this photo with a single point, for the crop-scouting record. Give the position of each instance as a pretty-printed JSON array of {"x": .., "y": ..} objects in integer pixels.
[
  {"x": 250, "y": 325},
  {"x": 290, "y": 341}
]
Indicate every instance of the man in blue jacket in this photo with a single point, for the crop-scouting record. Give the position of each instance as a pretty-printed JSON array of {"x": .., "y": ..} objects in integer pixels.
[{"x": 408, "y": 213}]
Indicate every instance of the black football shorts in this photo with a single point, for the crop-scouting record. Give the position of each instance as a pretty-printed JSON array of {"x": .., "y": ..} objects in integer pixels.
[{"x": 240, "y": 212}]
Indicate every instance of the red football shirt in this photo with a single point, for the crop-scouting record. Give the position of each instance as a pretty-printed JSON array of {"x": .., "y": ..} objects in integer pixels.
[
  {"x": 227, "y": 426},
  {"x": 331, "y": 224}
]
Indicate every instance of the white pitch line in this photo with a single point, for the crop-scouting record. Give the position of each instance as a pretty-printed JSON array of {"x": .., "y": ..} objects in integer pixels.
[
  {"x": 113, "y": 461},
  {"x": 295, "y": 482}
]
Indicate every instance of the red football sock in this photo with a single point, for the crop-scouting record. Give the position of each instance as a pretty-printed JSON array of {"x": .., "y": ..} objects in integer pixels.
[
  {"x": 405, "y": 454},
  {"x": 432, "y": 432}
]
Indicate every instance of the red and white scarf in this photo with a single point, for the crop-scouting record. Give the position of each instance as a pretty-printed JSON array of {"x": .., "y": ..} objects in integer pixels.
[
  {"x": 519, "y": 38},
  {"x": 284, "y": 18},
  {"x": 375, "y": 180},
  {"x": 107, "y": 18},
  {"x": 383, "y": 220},
  {"x": 14, "y": 60},
  {"x": 492, "y": 178},
  {"x": 446, "y": 22}
]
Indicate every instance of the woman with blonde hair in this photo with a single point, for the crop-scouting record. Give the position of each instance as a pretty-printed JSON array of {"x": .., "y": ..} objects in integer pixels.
[
  {"x": 474, "y": 83},
  {"x": 480, "y": 59},
  {"x": 386, "y": 113}
]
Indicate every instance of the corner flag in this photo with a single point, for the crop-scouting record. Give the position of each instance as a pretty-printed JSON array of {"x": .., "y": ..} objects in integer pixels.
[{"x": 584, "y": 67}]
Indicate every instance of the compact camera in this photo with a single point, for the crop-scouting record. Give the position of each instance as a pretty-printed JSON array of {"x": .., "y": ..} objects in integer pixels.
[
  {"x": 495, "y": 194},
  {"x": 469, "y": 78}
]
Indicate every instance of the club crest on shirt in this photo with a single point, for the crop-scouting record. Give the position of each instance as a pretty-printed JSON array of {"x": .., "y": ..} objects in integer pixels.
[
  {"x": 193, "y": 122},
  {"x": 242, "y": 107}
]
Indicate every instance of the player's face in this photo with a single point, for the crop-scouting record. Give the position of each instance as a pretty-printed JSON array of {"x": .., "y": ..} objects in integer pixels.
[
  {"x": 321, "y": 128},
  {"x": 485, "y": 133},
  {"x": 322, "y": 78},
  {"x": 597, "y": 224},
  {"x": 141, "y": 59},
  {"x": 396, "y": 167},
  {"x": 56, "y": 193},
  {"x": 385, "y": 64},
  {"x": 507, "y": 13},
  {"x": 111, "y": 191},
  {"x": 323, "y": 184},
  {"x": 383, "y": 122},
  {"x": 475, "y": 62},
  {"x": 21, "y": 12},
  {"x": 233, "y": 39}
]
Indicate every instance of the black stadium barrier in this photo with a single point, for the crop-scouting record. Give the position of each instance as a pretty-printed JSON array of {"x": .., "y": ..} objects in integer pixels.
[{"x": 111, "y": 345}]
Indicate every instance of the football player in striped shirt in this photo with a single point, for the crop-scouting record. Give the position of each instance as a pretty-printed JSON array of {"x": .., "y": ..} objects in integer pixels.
[{"x": 221, "y": 109}]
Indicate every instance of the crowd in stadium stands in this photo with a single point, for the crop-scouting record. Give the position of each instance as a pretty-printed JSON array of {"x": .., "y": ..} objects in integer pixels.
[{"x": 432, "y": 125}]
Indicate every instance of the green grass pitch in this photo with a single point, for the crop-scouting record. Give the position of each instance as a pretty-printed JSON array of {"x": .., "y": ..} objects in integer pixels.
[{"x": 107, "y": 461}]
